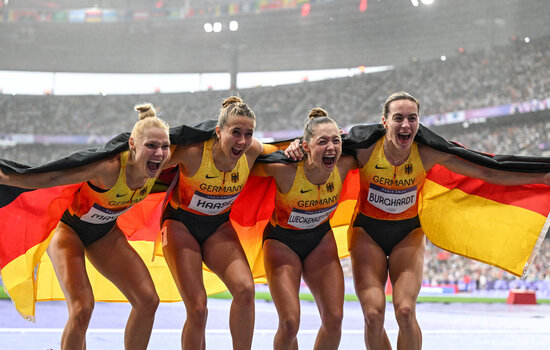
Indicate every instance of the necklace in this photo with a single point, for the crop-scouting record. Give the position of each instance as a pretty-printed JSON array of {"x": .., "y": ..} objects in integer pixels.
[{"x": 392, "y": 159}]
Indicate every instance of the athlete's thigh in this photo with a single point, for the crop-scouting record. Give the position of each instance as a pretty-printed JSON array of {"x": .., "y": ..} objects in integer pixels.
[
  {"x": 224, "y": 255},
  {"x": 406, "y": 264},
  {"x": 66, "y": 251},
  {"x": 114, "y": 257},
  {"x": 370, "y": 269},
  {"x": 283, "y": 271},
  {"x": 323, "y": 274},
  {"x": 184, "y": 258},
  {"x": 369, "y": 262}
]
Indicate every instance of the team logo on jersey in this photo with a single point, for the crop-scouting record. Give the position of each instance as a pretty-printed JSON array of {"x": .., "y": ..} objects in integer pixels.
[
  {"x": 408, "y": 169},
  {"x": 235, "y": 177},
  {"x": 330, "y": 187}
]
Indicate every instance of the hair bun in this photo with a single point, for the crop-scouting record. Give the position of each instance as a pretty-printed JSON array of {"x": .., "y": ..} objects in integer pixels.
[
  {"x": 231, "y": 100},
  {"x": 317, "y": 113},
  {"x": 146, "y": 110}
]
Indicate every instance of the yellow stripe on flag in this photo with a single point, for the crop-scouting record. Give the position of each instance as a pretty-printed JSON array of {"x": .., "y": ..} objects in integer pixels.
[
  {"x": 18, "y": 278},
  {"x": 479, "y": 228},
  {"x": 339, "y": 222},
  {"x": 104, "y": 290}
]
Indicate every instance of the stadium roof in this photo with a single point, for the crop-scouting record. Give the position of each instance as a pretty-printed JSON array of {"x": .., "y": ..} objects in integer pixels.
[{"x": 335, "y": 34}]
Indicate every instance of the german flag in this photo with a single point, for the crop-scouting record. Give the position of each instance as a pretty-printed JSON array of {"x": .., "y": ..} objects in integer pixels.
[
  {"x": 503, "y": 226},
  {"x": 30, "y": 216},
  {"x": 499, "y": 225}
]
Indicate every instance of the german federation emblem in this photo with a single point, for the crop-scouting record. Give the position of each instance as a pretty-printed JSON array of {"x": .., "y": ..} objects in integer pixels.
[
  {"x": 330, "y": 187},
  {"x": 408, "y": 169},
  {"x": 235, "y": 177}
]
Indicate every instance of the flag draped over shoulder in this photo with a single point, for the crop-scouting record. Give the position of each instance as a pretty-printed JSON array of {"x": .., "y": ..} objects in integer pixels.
[
  {"x": 498, "y": 225},
  {"x": 28, "y": 217}
]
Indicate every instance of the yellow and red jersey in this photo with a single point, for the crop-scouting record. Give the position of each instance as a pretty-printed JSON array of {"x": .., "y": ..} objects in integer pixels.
[
  {"x": 306, "y": 205},
  {"x": 210, "y": 191},
  {"x": 390, "y": 192},
  {"x": 97, "y": 206}
]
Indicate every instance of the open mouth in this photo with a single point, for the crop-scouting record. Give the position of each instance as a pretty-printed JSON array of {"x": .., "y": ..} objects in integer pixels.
[
  {"x": 404, "y": 137},
  {"x": 153, "y": 166},
  {"x": 236, "y": 152},
  {"x": 329, "y": 161}
]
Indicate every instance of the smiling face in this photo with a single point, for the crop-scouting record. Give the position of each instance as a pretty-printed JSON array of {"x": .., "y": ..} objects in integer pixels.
[
  {"x": 151, "y": 150},
  {"x": 236, "y": 136},
  {"x": 324, "y": 148},
  {"x": 401, "y": 123}
]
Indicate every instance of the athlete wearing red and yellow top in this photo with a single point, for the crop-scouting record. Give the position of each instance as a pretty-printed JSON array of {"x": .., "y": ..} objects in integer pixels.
[
  {"x": 298, "y": 241},
  {"x": 88, "y": 230},
  {"x": 196, "y": 229},
  {"x": 203, "y": 200},
  {"x": 387, "y": 207},
  {"x": 301, "y": 216},
  {"x": 386, "y": 239},
  {"x": 94, "y": 211}
]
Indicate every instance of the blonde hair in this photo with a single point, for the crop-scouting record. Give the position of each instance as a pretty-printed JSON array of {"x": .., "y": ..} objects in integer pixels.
[
  {"x": 233, "y": 106},
  {"x": 147, "y": 119}
]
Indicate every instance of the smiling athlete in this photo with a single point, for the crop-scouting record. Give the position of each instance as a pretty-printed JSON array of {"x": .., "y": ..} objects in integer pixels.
[
  {"x": 196, "y": 225},
  {"x": 89, "y": 229},
  {"x": 298, "y": 241},
  {"x": 386, "y": 237}
]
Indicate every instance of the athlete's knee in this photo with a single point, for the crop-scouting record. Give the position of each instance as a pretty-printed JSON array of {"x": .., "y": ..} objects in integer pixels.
[
  {"x": 244, "y": 293},
  {"x": 374, "y": 319},
  {"x": 332, "y": 321},
  {"x": 198, "y": 314},
  {"x": 405, "y": 316},
  {"x": 147, "y": 304},
  {"x": 289, "y": 326},
  {"x": 80, "y": 312}
]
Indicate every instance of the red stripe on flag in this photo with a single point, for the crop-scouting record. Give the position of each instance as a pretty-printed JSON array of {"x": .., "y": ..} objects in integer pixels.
[
  {"x": 256, "y": 201},
  {"x": 535, "y": 198},
  {"x": 350, "y": 189},
  {"x": 29, "y": 219}
]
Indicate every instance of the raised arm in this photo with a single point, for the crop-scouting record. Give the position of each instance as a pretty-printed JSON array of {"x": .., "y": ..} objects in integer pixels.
[
  {"x": 102, "y": 173},
  {"x": 430, "y": 157}
]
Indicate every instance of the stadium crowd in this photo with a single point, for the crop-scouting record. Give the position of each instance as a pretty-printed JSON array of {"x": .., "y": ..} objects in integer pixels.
[
  {"x": 517, "y": 72},
  {"x": 509, "y": 74}
]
